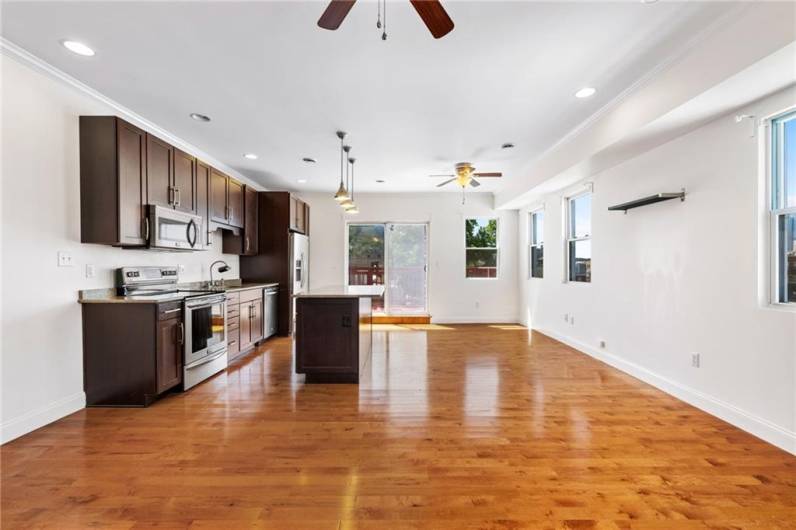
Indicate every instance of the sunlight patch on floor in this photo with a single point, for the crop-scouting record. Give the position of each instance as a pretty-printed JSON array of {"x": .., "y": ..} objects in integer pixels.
[
  {"x": 508, "y": 326},
  {"x": 410, "y": 327}
]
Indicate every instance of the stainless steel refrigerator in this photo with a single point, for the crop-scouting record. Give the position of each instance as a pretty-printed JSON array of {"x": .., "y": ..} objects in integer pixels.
[{"x": 299, "y": 271}]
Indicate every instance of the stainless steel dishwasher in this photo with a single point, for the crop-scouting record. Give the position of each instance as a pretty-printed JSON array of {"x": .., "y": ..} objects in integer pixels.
[{"x": 271, "y": 318}]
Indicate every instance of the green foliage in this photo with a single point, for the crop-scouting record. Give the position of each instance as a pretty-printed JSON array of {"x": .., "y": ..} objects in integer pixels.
[{"x": 481, "y": 232}]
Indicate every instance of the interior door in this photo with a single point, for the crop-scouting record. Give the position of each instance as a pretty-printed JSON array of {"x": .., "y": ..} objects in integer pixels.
[{"x": 407, "y": 266}]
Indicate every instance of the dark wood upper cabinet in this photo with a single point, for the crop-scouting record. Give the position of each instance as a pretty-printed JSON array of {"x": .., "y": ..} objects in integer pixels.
[
  {"x": 299, "y": 215},
  {"x": 235, "y": 203},
  {"x": 159, "y": 170},
  {"x": 250, "y": 229},
  {"x": 113, "y": 186},
  {"x": 203, "y": 198},
  {"x": 184, "y": 182},
  {"x": 218, "y": 197},
  {"x": 245, "y": 243}
]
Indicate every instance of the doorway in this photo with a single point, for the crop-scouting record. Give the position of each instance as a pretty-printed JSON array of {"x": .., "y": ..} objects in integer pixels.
[{"x": 394, "y": 255}]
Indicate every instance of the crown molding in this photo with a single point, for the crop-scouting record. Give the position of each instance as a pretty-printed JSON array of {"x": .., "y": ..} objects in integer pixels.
[{"x": 24, "y": 57}]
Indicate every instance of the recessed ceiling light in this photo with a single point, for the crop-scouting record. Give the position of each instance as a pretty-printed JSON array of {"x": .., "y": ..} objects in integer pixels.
[
  {"x": 250, "y": 156},
  {"x": 380, "y": 181},
  {"x": 302, "y": 181},
  {"x": 78, "y": 48},
  {"x": 507, "y": 145},
  {"x": 585, "y": 92},
  {"x": 649, "y": 1},
  {"x": 308, "y": 160},
  {"x": 200, "y": 117}
]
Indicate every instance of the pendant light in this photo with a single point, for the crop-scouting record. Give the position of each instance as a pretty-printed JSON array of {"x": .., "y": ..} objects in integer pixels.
[
  {"x": 342, "y": 193},
  {"x": 346, "y": 203},
  {"x": 353, "y": 209}
]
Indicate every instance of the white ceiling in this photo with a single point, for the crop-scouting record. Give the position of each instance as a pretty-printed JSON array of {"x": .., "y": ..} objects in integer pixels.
[{"x": 277, "y": 85}]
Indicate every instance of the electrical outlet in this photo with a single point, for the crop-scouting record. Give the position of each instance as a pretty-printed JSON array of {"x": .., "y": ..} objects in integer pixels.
[
  {"x": 695, "y": 360},
  {"x": 572, "y": 319},
  {"x": 566, "y": 317},
  {"x": 477, "y": 304},
  {"x": 602, "y": 344},
  {"x": 91, "y": 271},
  {"x": 65, "y": 259},
  {"x": 180, "y": 268}
]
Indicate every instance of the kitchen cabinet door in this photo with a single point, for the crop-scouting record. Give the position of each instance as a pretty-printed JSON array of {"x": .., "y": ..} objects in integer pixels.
[
  {"x": 256, "y": 329},
  {"x": 293, "y": 223},
  {"x": 245, "y": 327},
  {"x": 250, "y": 239},
  {"x": 184, "y": 184},
  {"x": 169, "y": 354},
  {"x": 159, "y": 169},
  {"x": 235, "y": 202},
  {"x": 218, "y": 197},
  {"x": 131, "y": 160},
  {"x": 203, "y": 198}
]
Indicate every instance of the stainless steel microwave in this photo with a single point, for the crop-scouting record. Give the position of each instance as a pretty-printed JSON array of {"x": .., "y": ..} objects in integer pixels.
[{"x": 173, "y": 230}]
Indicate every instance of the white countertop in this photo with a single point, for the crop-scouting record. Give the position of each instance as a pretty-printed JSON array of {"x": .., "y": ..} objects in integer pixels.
[{"x": 343, "y": 291}]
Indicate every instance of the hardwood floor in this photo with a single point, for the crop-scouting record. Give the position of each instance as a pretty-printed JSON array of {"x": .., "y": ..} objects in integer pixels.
[{"x": 458, "y": 427}]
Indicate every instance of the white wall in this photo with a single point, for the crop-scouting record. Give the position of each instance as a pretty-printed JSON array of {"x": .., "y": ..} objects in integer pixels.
[
  {"x": 452, "y": 297},
  {"x": 42, "y": 373},
  {"x": 676, "y": 278}
]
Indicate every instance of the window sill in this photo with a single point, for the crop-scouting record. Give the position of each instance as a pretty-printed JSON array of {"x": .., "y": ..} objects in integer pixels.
[{"x": 781, "y": 308}]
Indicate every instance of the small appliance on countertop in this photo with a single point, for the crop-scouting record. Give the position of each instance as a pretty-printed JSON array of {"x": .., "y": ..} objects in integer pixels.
[{"x": 204, "y": 330}]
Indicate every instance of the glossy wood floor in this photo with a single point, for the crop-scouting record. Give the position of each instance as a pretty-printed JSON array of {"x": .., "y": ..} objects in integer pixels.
[{"x": 459, "y": 427}]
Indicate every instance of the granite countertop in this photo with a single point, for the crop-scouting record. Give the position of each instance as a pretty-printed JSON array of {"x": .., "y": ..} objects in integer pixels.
[
  {"x": 343, "y": 291},
  {"x": 109, "y": 296}
]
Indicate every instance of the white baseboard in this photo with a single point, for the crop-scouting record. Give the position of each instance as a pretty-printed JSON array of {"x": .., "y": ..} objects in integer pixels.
[
  {"x": 751, "y": 423},
  {"x": 30, "y": 421},
  {"x": 474, "y": 320}
]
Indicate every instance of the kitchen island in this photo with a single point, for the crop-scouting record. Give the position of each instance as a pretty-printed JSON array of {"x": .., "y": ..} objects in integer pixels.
[{"x": 333, "y": 336}]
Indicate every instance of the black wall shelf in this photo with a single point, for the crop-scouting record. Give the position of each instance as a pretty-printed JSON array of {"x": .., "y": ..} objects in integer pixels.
[{"x": 652, "y": 199}]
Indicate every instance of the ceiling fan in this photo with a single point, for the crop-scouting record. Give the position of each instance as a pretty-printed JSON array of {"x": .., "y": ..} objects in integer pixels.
[
  {"x": 465, "y": 173},
  {"x": 431, "y": 11}
]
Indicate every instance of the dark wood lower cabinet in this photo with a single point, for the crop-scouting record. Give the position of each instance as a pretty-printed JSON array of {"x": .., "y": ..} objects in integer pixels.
[
  {"x": 333, "y": 338},
  {"x": 245, "y": 321},
  {"x": 169, "y": 355},
  {"x": 132, "y": 352}
]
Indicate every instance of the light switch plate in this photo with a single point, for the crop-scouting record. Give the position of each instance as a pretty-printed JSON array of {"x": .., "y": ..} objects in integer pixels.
[
  {"x": 65, "y": 259},
  {"x": 91, "y": 270}
]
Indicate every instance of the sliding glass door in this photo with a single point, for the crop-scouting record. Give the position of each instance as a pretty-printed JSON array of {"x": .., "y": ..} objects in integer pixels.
[{"x": 394, "y": 255}]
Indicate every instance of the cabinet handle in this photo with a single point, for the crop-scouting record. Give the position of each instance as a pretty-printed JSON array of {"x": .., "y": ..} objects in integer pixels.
[
  {"x": 146, "y": 228},
  {"x": 247, "y": 244},
  {"x": 177, "y": 197},
  {"x": 182, "y": 333},
  {"x": 172, "y": 311}
]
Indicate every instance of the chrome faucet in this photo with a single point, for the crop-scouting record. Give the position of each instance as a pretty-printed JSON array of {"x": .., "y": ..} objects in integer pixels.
[{"x": 223, "y": 268}]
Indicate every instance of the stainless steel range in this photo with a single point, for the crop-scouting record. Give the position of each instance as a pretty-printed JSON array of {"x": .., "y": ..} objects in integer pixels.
[{"x": 204, "y": 326}]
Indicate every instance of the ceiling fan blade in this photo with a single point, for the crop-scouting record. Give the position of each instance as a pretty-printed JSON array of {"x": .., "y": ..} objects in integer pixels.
[
  {"x": 474, "y": 183},
  {"x": 335, "y": 13},
  {"x": 488, "y": 174},
  {"x": 442, "y": 175},
  {"x": 434, "y": 16},
  {"x": 446, "y": 182}
]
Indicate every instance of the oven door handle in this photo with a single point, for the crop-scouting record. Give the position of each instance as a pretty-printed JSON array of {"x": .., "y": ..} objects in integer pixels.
[{"x": 206, "y": 360}]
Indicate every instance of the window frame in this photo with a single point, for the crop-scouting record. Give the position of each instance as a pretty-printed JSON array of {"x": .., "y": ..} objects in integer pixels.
[
  {"x": 775, "y": 200},
  {"x": 532, "y": 244},
  {"x": 496, "y": 248},
  {"x": 568, "y": 239}
]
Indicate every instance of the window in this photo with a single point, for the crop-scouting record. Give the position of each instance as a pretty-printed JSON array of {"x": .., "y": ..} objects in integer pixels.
[
  {"x": 481, "y": 247},
  {"x": 536, "y": 248},
  {"x": 579, "y": 237},
  {"x": 783, "y": 206}
]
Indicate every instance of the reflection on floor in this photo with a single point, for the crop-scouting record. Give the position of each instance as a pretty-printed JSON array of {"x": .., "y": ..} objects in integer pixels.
[{"x": 457, "y": 426}]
